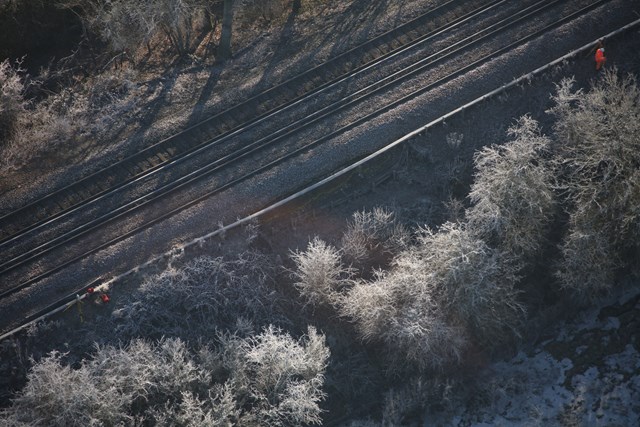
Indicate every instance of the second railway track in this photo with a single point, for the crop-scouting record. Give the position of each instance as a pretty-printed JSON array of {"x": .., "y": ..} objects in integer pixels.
[
  {"x": 264, "y": 161},
  {"x": 238, "y": 118}
]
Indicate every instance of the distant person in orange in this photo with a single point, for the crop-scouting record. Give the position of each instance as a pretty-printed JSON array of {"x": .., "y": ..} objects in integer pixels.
[{"x": 600, "y": 58}]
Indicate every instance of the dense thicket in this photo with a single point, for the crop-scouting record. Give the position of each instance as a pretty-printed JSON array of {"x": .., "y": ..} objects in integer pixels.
[
  {"x": 268, "y": 379},
  {"x": 460, "y": 286},
  {"x": 599, "y": 147}
]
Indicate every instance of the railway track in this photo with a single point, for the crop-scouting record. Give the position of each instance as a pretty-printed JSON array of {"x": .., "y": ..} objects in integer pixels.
[
  {"x": 284, "y": 142},
  {"x": 236, "y": 119}
]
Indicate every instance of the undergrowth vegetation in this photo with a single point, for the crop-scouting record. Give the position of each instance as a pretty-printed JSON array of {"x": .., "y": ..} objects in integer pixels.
[
  {"x": 268, "y": 379},
  {"x": 97, "y": 108}
]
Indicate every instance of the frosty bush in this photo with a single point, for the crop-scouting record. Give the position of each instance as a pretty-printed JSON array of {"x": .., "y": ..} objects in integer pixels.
[
  {"x": 279, "y": 377},
  {"x": 319, "y": 273},
  {"x": 599, "y": 135},
  {"x": 588, "y": 262},
  {"x": 204, "y": 295},
  {"x": 266, "y": 380},
  {"x": 512, "y": 193},
  {"x": 374, "y": 236},
  {"x": 448, "y": 286},
  {"x": 470, "y": 281},
  {"x": 399, "y": 310}
]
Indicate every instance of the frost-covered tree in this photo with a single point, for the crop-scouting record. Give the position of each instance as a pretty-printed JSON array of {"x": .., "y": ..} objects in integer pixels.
[
  {"x": 449, "y": 288},
  {"x": 599, "y": 143},
  {"x": 268, "y": 379},
  {"x": 279, "y": 378},
  {"x": 512, "y": 193},
  {"x": 400, "y": 311},
  {"x": 319, "y": 273},
  {"x": 470, "y": 281},
  {"x": 372, "y": 237}
]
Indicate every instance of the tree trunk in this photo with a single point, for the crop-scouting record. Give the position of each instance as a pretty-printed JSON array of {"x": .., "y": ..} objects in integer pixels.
[{"x": 224, "y": 51}]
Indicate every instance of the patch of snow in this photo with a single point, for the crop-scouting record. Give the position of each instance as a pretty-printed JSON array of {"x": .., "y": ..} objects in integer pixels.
[{"x": 538, "y": 389}]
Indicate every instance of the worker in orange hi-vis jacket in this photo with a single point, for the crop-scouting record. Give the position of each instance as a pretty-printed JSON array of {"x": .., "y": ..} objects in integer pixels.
[{"x": 600, "y": 58}]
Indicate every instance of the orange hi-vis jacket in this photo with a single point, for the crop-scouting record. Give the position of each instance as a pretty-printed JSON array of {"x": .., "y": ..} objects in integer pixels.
[{"x": 600, "y": 55}]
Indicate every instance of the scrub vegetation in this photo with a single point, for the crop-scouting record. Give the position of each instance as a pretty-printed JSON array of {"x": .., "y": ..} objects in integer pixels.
[{"x": 381, "y": 316}]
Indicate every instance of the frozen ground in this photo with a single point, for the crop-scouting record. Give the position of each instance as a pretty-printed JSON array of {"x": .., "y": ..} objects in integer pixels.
[{"x": 589, "y": 375}]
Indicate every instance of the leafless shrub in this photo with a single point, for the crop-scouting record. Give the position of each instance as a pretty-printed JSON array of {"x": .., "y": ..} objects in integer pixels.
[
  {"x": 108, "y": 89},
  {"x": 512, "y": 193},
  {"x": 448, "y": 286},
  {"x": 471, "y": 281},
  {"x": 588, "y": 262},
  {"x": 206, "y": 294},
  {"x": 270, "y": 380},
  {"x": 128, "y": 24},
  {"x": 454, "y": 139},
  {"x": 599, "y": 133},
  {"x": 373, "y": 236},
  {"x": 454, "y": 209},
  {"x": 319, "y": 273},
  {"x": 451, "y": 175},
  {"x": 409, "y": 398}
]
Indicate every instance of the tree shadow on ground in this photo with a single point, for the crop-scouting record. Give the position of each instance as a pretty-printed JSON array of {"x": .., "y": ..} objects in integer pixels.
[
  {"x": 199, "y": 109},
  {"x": 357, "y": 20}
]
